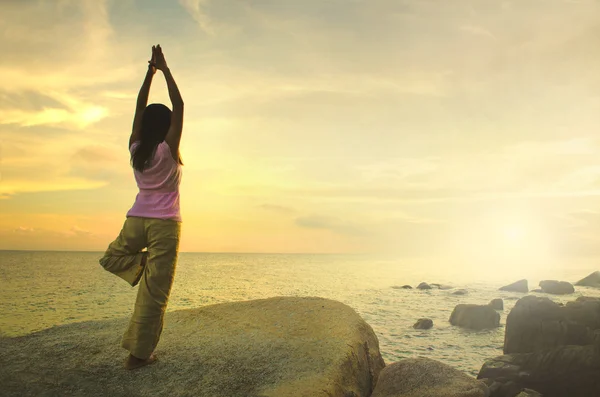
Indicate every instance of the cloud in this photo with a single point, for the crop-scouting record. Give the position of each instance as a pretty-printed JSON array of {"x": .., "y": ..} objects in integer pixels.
[
  {"x": 477, "y": 31},
  {"x": 277, "y": 208},
  {"x": 197, "y": 9},
  {"x": 24, "y": 230},
  {"x": 11, "y": 188},
  {"x": 333, "y": 224}
]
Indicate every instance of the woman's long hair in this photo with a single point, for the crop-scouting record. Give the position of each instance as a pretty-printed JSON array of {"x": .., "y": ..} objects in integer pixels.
[{"x": 155, "y": 125}]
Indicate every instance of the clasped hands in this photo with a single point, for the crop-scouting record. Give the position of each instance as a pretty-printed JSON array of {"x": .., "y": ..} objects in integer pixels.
[{"x": 157, "y": 61}]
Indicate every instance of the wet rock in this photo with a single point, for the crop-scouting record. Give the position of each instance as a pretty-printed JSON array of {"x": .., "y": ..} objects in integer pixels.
[
  {"x": 475, "y": 316},
  {"x": 557, "y": 287},
  {"x": 537, "y": 324},
  {"x": 423, "y": 323},
  {"x": 560, "y": 372},
  {"x": 420, "y": 377},
  {"x": 517, "y": 286},
  {"x": 497, "y": 304},
  {"x": 593, "y": 280},
  {"x": 423, "y": 285}
]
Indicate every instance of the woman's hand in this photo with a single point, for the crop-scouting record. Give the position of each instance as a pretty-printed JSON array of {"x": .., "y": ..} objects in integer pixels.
[
  {"x": 152, "y": 62},
  {"x": 159, "y": 58}
]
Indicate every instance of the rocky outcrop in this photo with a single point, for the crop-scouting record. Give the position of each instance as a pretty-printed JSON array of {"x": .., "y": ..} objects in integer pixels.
[
  {"x": 537, "y": 324},
  {"x": 517, "y": 286},
  {"x": 593, "y": 280},
  {"x": 420, "y": 377},
  {"x": 423, "y": 285},
  {"x": 423, "y": 323},
  {"x": 560, "y": 372},
  {"x": 497, "y": 304},
  {"x": 557, "y": 287},
  {"x": 275, "y": 347},
  {"x": 475, "y": 316}
]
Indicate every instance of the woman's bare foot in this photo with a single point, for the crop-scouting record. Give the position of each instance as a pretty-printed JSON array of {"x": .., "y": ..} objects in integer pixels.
[{"x": 133, "y": 362}]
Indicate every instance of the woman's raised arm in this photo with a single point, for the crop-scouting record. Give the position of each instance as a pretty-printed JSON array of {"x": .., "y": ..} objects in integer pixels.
[
  {"x": 174, "y": 135},
  {"x": 142, "y": 101}
]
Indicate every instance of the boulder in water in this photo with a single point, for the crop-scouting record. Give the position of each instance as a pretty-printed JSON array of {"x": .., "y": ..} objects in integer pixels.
[
  {"x": 423, "y": 323},
  {"x": 402, "y": 287},
  {"x": 475, "y": 316},
  {"x": 517, "y": 286},
  {"x": 537, "y": 324},
  {"x": 270, "y": 347},
  {"x": 460, "y": 292},
  {"x": 557, "y": 287},
  {"x": 560, "y": 372},
  {"x": 423, "y": 285},
  {"x": 593, "y": 280},
  {"x": 497, "y": 304},
  {"x": 419, "y": 377}
]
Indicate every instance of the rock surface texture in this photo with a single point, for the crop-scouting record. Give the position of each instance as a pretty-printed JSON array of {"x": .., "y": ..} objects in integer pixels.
[
  {"x": 423, "y": 377},
  {"x": 279, "y": 347},
  {"x": 517, "y": 286},
  {"x": 475, "y": 316}
]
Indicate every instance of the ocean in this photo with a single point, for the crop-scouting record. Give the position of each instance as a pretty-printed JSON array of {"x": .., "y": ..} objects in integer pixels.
[{"x": 43, "y": 289}]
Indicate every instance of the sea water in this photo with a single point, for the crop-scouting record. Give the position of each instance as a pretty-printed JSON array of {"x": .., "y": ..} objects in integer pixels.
[{"x": 43, "y": 289}]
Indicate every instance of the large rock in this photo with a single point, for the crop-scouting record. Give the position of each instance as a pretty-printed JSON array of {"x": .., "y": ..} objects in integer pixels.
[
  {"x": 421, "y": 377},
  {"x": 593, "y": 280},
  {"x": 537, "y": 323},
  {"x": 423, "y": 285},
  {"x": 517, "y": 286},
  {"x": 557, "y": 287},
  {"x": 272, "y": 347},
  {"x": 560, "y": 372},
  {"x": 423, "y": 323},
  {"x": 475, "y": 316}
]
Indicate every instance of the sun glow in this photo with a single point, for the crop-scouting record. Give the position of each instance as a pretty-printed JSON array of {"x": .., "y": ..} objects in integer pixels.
[{"x": 515, "y": 234}]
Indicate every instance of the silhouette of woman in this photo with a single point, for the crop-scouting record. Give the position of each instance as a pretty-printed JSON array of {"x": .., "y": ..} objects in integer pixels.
[{"x": 154, "y": 221}]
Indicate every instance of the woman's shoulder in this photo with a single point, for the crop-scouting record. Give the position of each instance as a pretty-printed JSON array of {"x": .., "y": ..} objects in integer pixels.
[{"x": 167, "y": 150}]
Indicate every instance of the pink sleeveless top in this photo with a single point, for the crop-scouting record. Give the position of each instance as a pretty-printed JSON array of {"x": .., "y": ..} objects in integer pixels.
[{"x": 159, "y": 186}]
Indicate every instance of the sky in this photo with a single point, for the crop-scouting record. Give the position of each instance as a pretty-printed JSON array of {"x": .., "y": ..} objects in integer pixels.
[{"x": 466, "y": 130}]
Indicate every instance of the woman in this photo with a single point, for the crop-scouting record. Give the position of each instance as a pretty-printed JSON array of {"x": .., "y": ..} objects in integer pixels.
[{"x": 154, "y": 220}]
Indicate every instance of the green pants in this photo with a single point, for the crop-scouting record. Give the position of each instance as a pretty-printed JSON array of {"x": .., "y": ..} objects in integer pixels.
[{"x": 124, "y": 259}]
